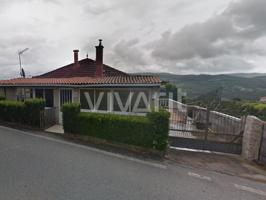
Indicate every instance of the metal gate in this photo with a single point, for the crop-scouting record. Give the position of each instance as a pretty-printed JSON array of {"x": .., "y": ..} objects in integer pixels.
[
  {"x": 195, "y": 127},
  {"x": 48, "y": 117}
]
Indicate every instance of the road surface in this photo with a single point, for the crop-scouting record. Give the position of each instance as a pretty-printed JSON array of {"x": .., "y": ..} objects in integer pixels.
[{"x": 34, "y": 167}]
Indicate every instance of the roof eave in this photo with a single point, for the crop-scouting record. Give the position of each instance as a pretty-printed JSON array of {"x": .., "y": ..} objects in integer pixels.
[{"x": 84, "y": 85}]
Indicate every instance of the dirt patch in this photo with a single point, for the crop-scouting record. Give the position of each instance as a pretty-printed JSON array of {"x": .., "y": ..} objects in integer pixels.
[{"x": 226, "y": 164}]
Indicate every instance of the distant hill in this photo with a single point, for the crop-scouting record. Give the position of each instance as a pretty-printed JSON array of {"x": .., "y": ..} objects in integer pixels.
[
  {"x": 248, "y": 75},
  {"x": 244, "y": 86}
]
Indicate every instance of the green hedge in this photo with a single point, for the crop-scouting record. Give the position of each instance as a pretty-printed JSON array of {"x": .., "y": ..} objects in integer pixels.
[
  {"x": 149, "y": 132},
  {"x": 27, "y": 112},
  {"x": 33, "y": 108},
  {"x": 2, "y": 98},
  {"x": 70, "y": 116},
  {"x": 160, "y": 124}
]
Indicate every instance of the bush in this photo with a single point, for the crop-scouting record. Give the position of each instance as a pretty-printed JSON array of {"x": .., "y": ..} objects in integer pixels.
[
  {"x": 2, "y": 98},
  {"x": 70, "y": 116},
  {"x": 133, "y": 130},
  {"x": 33, "y": 109},
  {"x": 149, "y": 132},
  {"x": 160, "y": 123},
  {"x": 12, "y": 111},
  {"x": 27, "y": 112},
  {"x": 243, "y": 108},
  {"x": 256, "y": 109}
]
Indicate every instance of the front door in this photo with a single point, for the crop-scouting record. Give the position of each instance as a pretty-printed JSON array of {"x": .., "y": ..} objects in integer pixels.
[{"x": 65, "y": 97}]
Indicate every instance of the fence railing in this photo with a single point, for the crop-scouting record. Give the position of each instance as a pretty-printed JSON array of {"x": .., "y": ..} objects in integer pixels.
[{"x": 187, "y": 118}]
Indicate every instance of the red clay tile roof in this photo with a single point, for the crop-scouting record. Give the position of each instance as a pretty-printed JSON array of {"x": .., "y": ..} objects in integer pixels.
[
  {"x": 87, "y": 68},
  {"x": 111, "y": 80}
]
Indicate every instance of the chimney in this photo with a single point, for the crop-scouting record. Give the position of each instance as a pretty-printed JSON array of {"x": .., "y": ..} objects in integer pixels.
[
  {"x": 99, "y": 59},
  {"x": 76, "y": 58}
]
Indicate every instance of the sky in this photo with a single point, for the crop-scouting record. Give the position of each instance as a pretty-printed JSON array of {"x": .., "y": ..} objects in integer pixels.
[{"x": 175, "y": 36}]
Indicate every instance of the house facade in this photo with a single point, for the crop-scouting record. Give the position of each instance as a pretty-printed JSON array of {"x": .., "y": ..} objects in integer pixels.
[{"x": 96, "y": 86}]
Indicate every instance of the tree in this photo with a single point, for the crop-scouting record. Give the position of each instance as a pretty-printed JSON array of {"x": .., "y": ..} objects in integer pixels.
[{"x": 211, "y": 100}]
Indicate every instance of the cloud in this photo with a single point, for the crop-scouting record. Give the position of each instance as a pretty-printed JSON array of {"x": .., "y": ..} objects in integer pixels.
[
  {"x": 181, "y": 36},
  {"x": 33, "y": 59},
  {"x": 231, "y": 33},
  {"x": 127, "y": 52}
]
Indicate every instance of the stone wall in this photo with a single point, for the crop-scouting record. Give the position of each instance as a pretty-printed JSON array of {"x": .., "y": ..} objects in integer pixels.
[{"x": 252, "y": 138}]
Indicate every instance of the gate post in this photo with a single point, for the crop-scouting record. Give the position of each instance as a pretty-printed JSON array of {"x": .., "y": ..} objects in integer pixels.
[
  {"x": 252, "y": 138},
  {"x": 206, "y": 127}
]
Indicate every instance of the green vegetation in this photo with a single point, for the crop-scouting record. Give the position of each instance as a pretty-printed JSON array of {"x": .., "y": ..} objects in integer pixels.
[
  {"x": 171, "y": 88},
  {"x": 210, "y": 100},
  {"x": 33, "y": 108},
  {"x": 2, "y": 98},
  {"x": 245, "y": 87},
  {"x": 241, "y": 108},
  {"x": 256, "y": 109},
  {"x": 149, "y": 132},
  {"x": 70, "y": 116},
  {"x": 27, "y": 113}
]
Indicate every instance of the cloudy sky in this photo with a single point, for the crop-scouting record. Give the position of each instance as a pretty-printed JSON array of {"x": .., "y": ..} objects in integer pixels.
[{"x": 177, "y": 36}]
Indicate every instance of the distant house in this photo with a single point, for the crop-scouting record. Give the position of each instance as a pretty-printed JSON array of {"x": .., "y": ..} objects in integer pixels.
[
  {"x": 263, "y": 99},
  {"x": 98, "y": 87}
]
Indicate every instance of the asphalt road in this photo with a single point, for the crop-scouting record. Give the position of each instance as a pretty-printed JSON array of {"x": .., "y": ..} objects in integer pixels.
[{"x": 36, "y": 167}]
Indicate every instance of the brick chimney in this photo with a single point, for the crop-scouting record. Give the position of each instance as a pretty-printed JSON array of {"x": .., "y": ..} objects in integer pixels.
[
  {"x": 76, "y": 58},
  {"x": 99, "y": 59}
]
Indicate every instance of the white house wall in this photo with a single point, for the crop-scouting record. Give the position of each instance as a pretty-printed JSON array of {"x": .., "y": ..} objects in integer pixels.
[{"x": 90, "y": 98}]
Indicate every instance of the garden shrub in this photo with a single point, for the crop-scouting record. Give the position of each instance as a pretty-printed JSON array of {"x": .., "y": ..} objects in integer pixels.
[
  {"x": 12, "y": 111},
  {"x": 160, "y": 123},
  {"x": 243, "y": 108},
  {"x": 149, "y": 131},
  {"x": 2, "y": 98},
  {"x": 256, "y": 109},
  {"x": 33, "y": 108},
  {"x": 27, "y": 112},
  {"x": 70, "y": 116}
]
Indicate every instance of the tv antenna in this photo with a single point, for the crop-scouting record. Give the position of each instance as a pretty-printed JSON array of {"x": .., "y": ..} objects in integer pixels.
[{"x": 22, "y": 72}]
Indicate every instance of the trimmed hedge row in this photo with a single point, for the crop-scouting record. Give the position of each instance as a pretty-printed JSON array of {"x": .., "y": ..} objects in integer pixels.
[
  {"x": 150, "y": 131},
  {"x": 70, "y": 116},
  {"x": 27, "y": 112}
]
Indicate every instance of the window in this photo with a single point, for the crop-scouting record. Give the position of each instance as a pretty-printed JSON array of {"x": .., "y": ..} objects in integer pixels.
[
  {"x": 122, "y": 100},
  {"x": 39, "y": 93},
  {"x": 47, "y": 95},
  {"x": 65, "y": 96},
  {"x": 24, "y": 93}
]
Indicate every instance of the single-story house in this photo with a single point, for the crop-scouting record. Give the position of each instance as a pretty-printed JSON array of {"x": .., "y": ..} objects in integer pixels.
[{"x": 98, "y": 87}]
